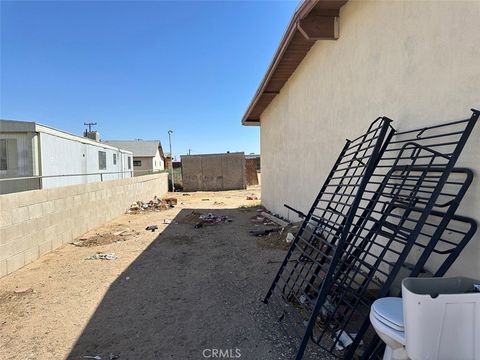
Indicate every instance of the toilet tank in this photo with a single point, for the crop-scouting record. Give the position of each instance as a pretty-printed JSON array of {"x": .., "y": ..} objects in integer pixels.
[{"x": 442, "y": 318}]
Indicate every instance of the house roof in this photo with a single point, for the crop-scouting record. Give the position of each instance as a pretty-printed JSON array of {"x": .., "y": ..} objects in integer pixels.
[
  {"x": 313, "y": 20},
  {"x": 140, "y": 148},
  {"x": 18, "y": 126}
]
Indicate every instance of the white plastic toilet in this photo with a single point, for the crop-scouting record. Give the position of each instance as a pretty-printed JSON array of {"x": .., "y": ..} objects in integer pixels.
[
  {"x": 386, "y": 316},
  {"x": 437, "y": 319}
]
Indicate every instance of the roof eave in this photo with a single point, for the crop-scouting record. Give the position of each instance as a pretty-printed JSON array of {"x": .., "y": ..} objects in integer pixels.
[{"x": 301, "y": 23}]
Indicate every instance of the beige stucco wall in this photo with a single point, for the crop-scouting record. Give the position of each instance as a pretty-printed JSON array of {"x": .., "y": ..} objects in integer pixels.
[
  {"x": 33, "y": 223},
  {"x": 149, "y": 163},
  {"x": 415, "y": 62}
]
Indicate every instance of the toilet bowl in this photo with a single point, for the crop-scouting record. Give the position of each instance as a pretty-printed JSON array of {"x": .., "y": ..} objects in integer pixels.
[{"x": 386, "y": 317}]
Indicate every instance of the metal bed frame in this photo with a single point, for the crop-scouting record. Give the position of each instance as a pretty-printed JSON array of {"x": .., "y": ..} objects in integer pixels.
[{"x": 389, "y": 192}]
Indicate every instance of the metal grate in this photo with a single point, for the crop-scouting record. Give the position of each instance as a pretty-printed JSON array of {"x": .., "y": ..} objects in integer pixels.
[{"x": 391, "y": 200}]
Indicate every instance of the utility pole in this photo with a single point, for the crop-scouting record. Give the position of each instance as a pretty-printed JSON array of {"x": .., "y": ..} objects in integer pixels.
[
  {"x": 189, "y": 151},
  {"x": 90, "y": 126},
  {"x": 170, "y": 132}
]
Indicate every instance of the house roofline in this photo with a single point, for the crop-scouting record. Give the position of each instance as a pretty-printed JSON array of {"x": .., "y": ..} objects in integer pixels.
[{"x": 313, "y": 20}]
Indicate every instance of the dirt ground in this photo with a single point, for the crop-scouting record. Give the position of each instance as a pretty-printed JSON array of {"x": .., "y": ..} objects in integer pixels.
[{"x": 176, "y": 293}]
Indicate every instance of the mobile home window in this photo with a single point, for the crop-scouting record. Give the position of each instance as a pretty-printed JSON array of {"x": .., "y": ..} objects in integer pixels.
[
  {"x": 8, "y": 154},
  {"x": 114, "y": 159},
  {"x": 129, "y": 163},
  {"x": 102, "y": 160},
  {"x": 137, "y": 162}
]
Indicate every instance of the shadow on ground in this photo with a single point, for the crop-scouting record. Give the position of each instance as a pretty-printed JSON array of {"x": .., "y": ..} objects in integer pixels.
[{"x": 190, "y": 290}]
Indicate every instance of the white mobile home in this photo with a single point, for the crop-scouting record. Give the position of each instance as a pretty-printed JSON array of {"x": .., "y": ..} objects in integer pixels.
[{"x": 46, "y": 158}]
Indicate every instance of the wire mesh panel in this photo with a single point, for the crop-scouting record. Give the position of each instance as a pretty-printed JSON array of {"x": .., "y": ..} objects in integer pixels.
[{"x": 362, "y": 229}]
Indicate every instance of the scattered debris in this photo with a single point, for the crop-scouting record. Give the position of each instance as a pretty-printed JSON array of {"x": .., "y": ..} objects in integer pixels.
[
  {"x": 156, "y": 204},
  {"x": 219, "y": 203},
  {"x": 263, "y": 232},
  {"x": 96, "y": 357},
  {"x": 102, "y": 256},
  {"x": 169, "y": 221},
  {"x": 277, "y": 237},
  {"x": 252, "y": 197},
  {"x": 199, "y": 219},
  {"x": 22, "y": 290},
  {"x": 170, "y": 201},
  {"x": 289, "y": 238},
  {"x": 185, "y": 194},
  {"x": 151, "y": 228},
  {"x": 275, "y": 219},
  {"x": 127, "y": 278},
  {"x": 258, "y": 219},
  {"x": 117, "y": 234},
  {"x": 205, "y": 199},
  {"x": 114, "y": 356},
  {"x": 344, "y": 340},
  {"x": 121, "y": 232}
]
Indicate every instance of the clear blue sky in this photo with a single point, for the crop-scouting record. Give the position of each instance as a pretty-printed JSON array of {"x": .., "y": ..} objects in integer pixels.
[{"x": 140, "y": 68}]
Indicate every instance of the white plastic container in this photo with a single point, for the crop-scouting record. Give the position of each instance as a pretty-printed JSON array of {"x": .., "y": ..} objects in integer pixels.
[{"x": 442, "y": 318}]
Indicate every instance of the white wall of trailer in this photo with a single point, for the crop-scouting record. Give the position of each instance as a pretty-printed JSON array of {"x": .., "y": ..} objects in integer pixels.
[{"x": 78, "y": 162}]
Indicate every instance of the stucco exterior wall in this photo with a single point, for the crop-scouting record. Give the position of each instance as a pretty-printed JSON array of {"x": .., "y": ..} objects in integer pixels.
[
  {"x": 150, "y": 163},
  {"x": 158, "y": 164},
  {"x": 415, "y": 62}
]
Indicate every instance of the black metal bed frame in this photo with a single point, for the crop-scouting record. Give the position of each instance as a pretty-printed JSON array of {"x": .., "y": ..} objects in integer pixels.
[{"x": 390, "y": 196}]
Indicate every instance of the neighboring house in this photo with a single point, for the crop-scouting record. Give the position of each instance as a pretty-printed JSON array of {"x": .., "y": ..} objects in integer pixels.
[
  {"x": 342, "y": 64},
  {"x": 148, "y": 155},
  {"x": 29, "y": 149}
]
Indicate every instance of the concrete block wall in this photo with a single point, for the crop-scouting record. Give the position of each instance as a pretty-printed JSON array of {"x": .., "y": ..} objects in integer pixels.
[
  {"x": 213, "y": 172},
  {"x": 33, "y": 223}
]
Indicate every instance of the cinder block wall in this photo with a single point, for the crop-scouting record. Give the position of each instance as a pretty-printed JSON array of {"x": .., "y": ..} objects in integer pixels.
[
  {"x": 33, "y": 223},
  {"x": 213, "y": 172}
]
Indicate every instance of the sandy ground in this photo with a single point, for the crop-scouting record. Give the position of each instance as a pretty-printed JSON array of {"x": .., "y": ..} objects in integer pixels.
[{"x": 176, "y": 293}]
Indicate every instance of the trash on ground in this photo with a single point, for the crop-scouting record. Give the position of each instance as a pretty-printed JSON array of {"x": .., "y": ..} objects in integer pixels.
[
  {"x": 22, "y": 290},
  {"x": 151, "y": 228},
  {"x": 170, "y": 201},
  {"x": 263, "y": 232},
  {"x": 156, "y": 204},
  {"x": 102, "y": 256},
  {"x": 275, "y": 219},
  {"x": 121, "y": 232},
  {"x": 205, "y": 199},
  {"x": 289, "y": 238},
  {"x": 107, "y": 237},
  {"x": 219, "y": 203},
  {"x": 252, "y": 197},
  {"x": 345, "y": 340},
  {"x": 199, "y": 219},
  {"x": 276, "y": 237},
  {"x": 169, "y": 221},
  {"x": 96, "y": 357}
]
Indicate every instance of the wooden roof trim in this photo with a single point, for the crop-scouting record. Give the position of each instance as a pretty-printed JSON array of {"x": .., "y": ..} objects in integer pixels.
[{"x": 313, "y": 20}]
